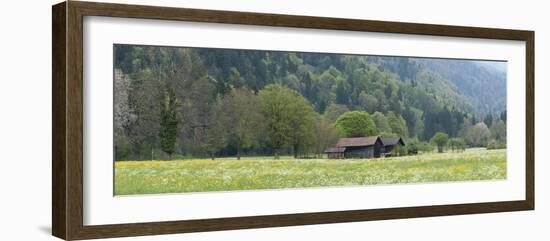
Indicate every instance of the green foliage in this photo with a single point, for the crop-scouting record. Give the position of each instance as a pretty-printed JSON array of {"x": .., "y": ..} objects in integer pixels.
[
  {"x": 400, "y": 150},
  {"x": 398, "y": 124},
  {"x": 498, "y": 130},
  {"x": 241, "y": 110},
  {"x": 474, "y": 79},
  {"x": 326, "y": 135},
  {"x": 123, "y": 147},
  {"x": 368, "y": 102},
  {"x": 342, "y": 94},
  {"x": 488, "y": 120},
  {"x": 169, "y": 123},
  {"x": 414, "y": 122},
  {"x": 203, "y": 119},
  {"x": 235, "y": 79},
  {"x": 493, "y": 144},
  {"x": 498, "y": 135},
  {"x": 457, "y": 144},
  {"x": 440, "y": 139},
  {"x": 477, "y": 135},
  {"x": 142, "y": 128},
  {"x": 334, "y": 111},
  {"x": 289, "y": 118},
  {"x": 419, "y": 97},
  {"x": 413, "y": 146},
  {"x": 356, "y": 123},
  {"x": 424, "y": 146},
  {"x": 381, "y": 122},
  {"x": 503, "y": 116}
]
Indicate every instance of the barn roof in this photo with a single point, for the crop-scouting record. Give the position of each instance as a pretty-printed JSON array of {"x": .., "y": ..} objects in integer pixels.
[
  {"x": 357, "y": 141},
  {"x": 335, "y": 150},
  {"x": 392, "y": 141}
]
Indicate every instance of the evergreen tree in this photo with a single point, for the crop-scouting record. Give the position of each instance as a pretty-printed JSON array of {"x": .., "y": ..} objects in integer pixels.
[
  {"x": 341, "y": 94},
  {"x": 503, "y": 116},
  {"x": 169, "y": 123},
  {"x": 411, "y": 120},
  {"x": 488, "y": 120},
  {"x": 426, "y": 96}
]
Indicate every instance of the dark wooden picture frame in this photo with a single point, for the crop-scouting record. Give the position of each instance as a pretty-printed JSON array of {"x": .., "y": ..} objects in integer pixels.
[{"x": 67, "y": 150}]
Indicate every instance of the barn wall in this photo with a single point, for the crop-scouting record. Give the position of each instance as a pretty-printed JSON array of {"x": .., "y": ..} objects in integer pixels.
[
  {"x": 360, "y": 152},
  {"x": 378, "y": 148},
  {"x": 335, "y": 155}
]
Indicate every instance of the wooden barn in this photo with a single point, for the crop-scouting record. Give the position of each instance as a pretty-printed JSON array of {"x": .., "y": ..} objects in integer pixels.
[
  {"x": 357, "y": 147},
  {"x": 390, "y": 143},
  {"x": 335, "y": 152}
]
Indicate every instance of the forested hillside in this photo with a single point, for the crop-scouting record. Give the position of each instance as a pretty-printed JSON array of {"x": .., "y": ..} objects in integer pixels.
[
  {"x": 484, "y": 82},
  {"x": 200, "y": 93}
]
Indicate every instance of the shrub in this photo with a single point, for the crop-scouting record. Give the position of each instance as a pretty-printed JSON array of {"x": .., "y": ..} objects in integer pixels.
[
  {"x": 496, "y": 145},
  {"x": 440, "y": 139}
]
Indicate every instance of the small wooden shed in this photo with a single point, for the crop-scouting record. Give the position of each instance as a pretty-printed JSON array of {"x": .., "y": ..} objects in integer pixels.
[
  {"x": 390, "y": 143},
  {"x": 335, "y": 152},
  {"x": 357, "y": 147}
]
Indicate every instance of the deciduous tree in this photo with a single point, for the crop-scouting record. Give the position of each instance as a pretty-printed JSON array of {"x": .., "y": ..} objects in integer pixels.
[
  {"x": 326, "y": 135},
  {"x": 398, "y": 124},
  {"x": 457, "y": 144},
  {"x": 333, "y": 111},
  {"x": 242, "y": 117},
  {"x": 381, "y": 123},
  {"x": 289, "y": 118},
  {"x": 356, "y": 124},
  {"x": 122, "y": 114},
  {"x": 440, "y": 139},
  {"x": 477, "y": 135}
]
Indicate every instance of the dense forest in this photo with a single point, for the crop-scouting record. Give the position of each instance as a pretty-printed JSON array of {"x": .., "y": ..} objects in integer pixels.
[{"x": 199, "y": 102}]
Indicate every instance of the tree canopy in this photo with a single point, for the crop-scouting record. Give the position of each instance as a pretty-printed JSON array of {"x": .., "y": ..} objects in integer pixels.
[
  {"x": 289, "y": 117},
  {"x": 225, "y": 102},
  {"x": 440, "y": 139},
  {"x": 169, "y": 123},
  {"x": 242, "y": 109},
  {"x": 356, "y": 123}
]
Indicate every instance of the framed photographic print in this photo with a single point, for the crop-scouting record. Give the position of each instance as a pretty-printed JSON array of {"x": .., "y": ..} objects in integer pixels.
[{"x": 170, "y": 120}]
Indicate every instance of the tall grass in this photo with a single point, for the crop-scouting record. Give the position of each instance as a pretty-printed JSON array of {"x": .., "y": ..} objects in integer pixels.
[{"x": 202, "y": 175}]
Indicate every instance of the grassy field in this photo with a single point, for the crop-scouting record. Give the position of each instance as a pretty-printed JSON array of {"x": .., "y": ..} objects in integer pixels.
[{"x": 225, "y": 174}]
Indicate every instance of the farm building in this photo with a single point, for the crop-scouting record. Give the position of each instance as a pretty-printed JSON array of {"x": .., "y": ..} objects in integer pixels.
[
  {"x": 357, "y": 147},
  {"x": 390, "y": 143},
  {"x": 335, "y": 152},
  {"x": 364, "y": 147}
]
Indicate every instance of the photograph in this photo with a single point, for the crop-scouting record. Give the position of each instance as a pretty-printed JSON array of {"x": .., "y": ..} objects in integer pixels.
[{"x": 190, "y": 119}]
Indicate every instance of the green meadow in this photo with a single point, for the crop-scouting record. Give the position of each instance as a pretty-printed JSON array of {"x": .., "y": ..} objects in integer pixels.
[{"x": 253, "y": 173}]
